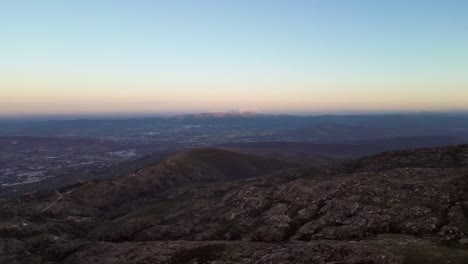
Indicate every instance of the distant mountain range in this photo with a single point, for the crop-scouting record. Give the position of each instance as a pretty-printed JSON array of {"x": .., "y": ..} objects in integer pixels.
[
  {"x": 228, "y": 114},
  {"x": 325, "y": 127},
  {"x": 342, "y": 149}
]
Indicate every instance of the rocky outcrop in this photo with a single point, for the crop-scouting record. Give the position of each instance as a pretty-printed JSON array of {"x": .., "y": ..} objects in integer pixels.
[{"x": 413, "y": 201}]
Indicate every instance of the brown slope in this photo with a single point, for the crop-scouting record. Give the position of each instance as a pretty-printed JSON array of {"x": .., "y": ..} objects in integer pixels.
[
  {"x": 316, "y": 205},
  {"x": 439, "y": 157},
  {"x": 196, "y": 165},
  {"x": 400, "y": 215},
  {"x": 351, "y": 206}
]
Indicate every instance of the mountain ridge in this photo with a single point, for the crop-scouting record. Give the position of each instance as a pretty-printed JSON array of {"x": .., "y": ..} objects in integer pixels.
[
  {"x": 195, "y": 165},
  {"x": 408, "y": 206}
]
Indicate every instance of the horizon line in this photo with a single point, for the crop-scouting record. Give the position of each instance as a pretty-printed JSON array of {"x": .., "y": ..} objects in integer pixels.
[{"x": 117, "y": 116}]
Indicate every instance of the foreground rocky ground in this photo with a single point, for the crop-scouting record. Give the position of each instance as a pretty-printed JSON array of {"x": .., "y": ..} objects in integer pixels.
[{"x": 217, "y": 206}]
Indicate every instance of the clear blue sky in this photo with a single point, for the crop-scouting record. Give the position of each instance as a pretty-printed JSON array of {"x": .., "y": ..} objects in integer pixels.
[{"x": 139, "y": 56}]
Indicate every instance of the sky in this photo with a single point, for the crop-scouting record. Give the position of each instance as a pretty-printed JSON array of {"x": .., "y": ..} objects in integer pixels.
[{"x": 175, "y": 56}]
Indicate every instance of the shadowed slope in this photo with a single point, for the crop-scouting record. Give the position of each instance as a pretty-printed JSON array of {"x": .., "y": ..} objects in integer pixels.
[
  {"x": 440, "y": 157},
  {"x": 196, "y": 165}
]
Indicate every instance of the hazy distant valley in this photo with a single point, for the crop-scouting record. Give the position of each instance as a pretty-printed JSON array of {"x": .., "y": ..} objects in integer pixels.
[{"x": 49, "y": 154}]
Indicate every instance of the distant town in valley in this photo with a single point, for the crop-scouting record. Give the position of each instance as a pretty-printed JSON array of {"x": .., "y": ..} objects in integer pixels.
[{"x": 46, "y": 154}]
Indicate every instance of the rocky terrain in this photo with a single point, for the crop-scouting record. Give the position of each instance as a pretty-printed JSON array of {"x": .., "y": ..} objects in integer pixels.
[{"x": 219, "y": 206}]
